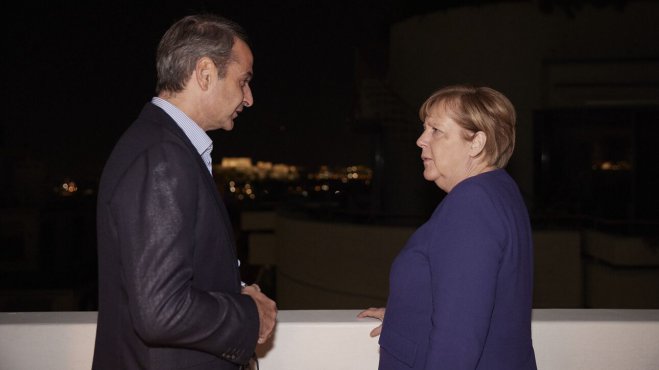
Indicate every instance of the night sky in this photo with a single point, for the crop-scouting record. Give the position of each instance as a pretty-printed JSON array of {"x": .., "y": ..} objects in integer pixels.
[{"x": 78, "y": 74}]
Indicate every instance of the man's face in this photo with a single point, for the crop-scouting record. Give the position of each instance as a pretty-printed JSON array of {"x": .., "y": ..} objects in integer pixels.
[{"x": 231, "y": 93}]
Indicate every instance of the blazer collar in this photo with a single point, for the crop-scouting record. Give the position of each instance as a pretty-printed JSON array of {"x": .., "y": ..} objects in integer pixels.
[{"x": 158, "y": 116}]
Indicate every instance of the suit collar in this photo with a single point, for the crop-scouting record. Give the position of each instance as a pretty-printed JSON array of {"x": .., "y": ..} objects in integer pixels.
[
  {"x": 159, "y": 117},
  {"x": 196, "y": 134}
]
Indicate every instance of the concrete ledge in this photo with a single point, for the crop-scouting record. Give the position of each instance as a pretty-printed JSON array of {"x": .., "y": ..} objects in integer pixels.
[
  {"x": 564, "y": 339},
  {"x": 47, "y": 340}
]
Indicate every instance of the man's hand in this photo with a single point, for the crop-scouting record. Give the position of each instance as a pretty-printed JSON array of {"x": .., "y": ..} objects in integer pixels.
[
  {"x": 267, "y": 311},
  {"x": 377, "y": 313}
]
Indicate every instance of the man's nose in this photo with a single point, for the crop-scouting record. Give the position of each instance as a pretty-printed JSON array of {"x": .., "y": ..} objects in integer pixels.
[{"x": 248, "y": 98}]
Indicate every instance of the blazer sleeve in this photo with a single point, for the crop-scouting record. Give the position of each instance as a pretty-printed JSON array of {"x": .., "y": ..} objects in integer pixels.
[
  {"x": 465, "y": 253},
  {"x": 154, "y": 210}
]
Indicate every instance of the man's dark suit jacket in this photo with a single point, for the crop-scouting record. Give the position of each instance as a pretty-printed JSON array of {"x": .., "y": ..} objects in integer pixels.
[{"x": 169, "y": 285}]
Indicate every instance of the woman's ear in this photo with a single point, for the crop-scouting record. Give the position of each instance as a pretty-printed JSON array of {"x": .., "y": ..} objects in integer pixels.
[{"x": 477, "y": 144}]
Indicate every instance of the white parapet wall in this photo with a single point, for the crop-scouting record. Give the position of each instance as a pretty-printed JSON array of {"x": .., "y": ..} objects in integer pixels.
[{"x": 564, "y": 339}]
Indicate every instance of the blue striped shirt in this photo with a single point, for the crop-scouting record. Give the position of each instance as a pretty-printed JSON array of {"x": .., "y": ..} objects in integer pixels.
[{"x": 196, "y": 134}]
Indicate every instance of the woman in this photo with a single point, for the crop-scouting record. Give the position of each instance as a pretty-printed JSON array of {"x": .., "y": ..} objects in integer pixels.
[{"x": 461, "y": 289}]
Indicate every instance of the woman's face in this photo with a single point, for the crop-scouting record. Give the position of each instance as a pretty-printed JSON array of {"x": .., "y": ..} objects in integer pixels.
[{"x": 444, "y": 151}]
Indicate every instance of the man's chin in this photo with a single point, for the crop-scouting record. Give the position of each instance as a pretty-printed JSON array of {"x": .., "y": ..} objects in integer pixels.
[{"x": 227, "y": 126}]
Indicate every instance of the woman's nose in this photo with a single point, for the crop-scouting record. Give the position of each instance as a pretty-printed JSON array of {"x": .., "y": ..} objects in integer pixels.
[{"x": 421, "y": 141}]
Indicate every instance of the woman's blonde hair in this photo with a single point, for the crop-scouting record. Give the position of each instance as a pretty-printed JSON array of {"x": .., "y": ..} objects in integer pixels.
[{"x": 478, "y": 108}]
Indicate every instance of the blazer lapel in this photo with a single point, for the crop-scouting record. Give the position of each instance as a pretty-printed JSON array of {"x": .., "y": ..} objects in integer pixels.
[{"x": 168, "y": 123}]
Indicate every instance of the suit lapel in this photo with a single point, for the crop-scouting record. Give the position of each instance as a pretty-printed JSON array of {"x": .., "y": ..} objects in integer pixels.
[{"x": 168, "y": 123}]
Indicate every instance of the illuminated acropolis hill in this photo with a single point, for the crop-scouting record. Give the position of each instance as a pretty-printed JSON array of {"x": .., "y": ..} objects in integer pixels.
[
  {"x": 244, "y": 167},
  {"x": 243, "y": 180}
]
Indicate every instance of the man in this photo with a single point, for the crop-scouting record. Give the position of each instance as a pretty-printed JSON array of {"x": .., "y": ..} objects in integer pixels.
[{"x": 170, "y": 293}]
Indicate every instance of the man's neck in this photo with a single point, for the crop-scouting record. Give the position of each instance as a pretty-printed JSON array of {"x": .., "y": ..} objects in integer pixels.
[{"x": 182, "y": 101}]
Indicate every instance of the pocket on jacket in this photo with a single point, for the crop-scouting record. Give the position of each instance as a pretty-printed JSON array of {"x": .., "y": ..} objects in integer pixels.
[{"x": 399, "y": 346}]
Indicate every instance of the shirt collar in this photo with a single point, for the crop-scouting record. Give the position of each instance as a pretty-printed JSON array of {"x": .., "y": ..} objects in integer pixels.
[{"x": 200, "y": 140}]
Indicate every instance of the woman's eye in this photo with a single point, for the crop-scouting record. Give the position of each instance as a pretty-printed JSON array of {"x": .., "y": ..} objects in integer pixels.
[{"x": 432, "y": 129}]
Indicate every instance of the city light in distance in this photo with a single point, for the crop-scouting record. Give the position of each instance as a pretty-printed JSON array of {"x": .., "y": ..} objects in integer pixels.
[{"x": 241, "y": 179}]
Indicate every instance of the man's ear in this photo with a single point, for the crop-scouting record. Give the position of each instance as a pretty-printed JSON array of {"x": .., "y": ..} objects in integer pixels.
[
  {"x": 204, "y": 73},
  {"x": 477, "y": 144}
]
